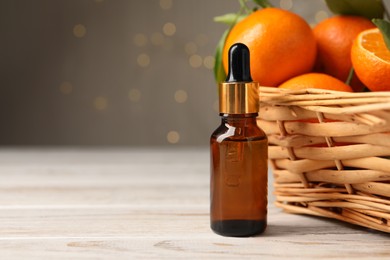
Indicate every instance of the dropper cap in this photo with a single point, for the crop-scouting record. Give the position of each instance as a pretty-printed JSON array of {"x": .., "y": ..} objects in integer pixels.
[
  {"x": 239, "y": 94},
  {"x": 239, "y": 64}
]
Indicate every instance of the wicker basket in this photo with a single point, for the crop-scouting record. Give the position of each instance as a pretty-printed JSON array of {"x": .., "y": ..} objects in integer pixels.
[{"x": 328, "y": 152}]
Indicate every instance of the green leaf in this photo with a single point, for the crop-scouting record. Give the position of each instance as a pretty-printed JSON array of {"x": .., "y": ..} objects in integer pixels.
[
  {"x": 263, "y": 3},
  {"x": 367, "y": 8},
  {"x": 219, "y": 71},
  {"x": 384, "y": 27},
  {"x": 229, "y": 19}
]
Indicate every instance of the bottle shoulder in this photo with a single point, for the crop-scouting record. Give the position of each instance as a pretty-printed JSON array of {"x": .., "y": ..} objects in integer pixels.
[{"x": 239, "y": 133}]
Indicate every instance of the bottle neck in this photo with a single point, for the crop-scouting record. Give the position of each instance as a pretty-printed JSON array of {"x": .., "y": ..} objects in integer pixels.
[
  {"x": 249, "y": 115},
  {"x": 238, "y": 119}
]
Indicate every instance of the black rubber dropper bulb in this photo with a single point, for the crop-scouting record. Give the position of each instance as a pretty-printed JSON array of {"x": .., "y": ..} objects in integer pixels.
[{"x": 239, "y": 67}]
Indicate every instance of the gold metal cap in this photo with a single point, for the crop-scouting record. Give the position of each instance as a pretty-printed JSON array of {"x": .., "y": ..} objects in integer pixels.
[{"x": 239, "y": 97}]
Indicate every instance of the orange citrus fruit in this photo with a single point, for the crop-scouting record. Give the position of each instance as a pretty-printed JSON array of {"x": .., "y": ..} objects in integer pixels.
[
  {"x": 281, "y": 45},
  {"x": 334, "y": 38},
  {"x": 316, "y": 80},
  {"x": 371, "y": 60}
]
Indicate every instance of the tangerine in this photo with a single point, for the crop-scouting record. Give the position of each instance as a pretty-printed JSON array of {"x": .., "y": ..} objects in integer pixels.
[
  {"x": 371, "y": 60},
  {"x": 281, "y": 43},
  {"x": 334, "y": 37},
  {"x": 316, "y": 80}
]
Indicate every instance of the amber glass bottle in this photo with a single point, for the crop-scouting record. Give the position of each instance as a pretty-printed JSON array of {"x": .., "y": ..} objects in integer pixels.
[{"x": 238, "y": 186}]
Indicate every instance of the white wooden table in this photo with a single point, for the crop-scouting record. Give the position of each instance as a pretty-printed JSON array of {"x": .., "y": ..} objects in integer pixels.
[{"x": 145, "y": 203}]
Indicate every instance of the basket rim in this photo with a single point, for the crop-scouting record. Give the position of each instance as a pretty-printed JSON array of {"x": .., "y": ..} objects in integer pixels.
[
  {"x": 328, "y": 101},
  {"x": 267, "y": 89}
]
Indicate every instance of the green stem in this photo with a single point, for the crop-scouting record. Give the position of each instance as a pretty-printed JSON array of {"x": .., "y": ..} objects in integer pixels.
[
  {"x": 387, "y": 14},
  {"x": 242, "y": 9},
  {"x": 350, "y": 75},
  {"x": 244, "y": 6},
  {"x": 263, "y": 3}
]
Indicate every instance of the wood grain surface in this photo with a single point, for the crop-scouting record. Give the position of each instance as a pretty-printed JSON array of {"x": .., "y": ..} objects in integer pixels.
[{"x": 145, "y": 203}]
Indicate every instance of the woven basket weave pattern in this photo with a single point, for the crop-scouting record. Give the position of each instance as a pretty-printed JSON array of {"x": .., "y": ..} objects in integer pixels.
[{"x": 328, "y": 151}]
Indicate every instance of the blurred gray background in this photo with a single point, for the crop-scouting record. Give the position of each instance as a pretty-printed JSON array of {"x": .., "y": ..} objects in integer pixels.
[{"x": 113, "y": 72}]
